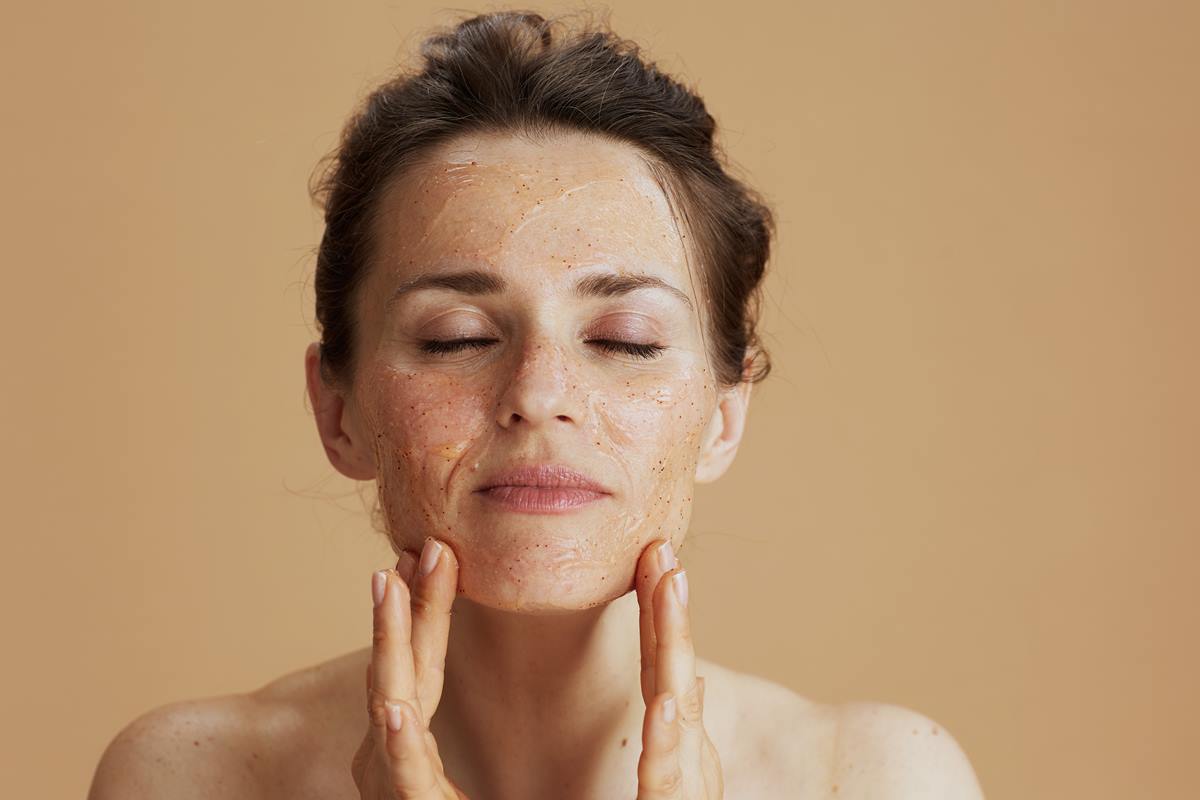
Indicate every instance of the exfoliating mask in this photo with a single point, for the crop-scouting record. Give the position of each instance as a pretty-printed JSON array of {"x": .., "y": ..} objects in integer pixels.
[{"x": 528, "y": 304}]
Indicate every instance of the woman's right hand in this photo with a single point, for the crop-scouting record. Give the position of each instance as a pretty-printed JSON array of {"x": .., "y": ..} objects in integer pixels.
[{"x": 398, "y": 758}]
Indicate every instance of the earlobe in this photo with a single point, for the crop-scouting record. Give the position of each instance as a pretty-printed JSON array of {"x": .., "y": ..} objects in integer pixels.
[{"x": 330, "y": 413}]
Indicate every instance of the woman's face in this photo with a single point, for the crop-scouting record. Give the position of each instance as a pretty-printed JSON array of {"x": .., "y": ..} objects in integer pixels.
[{"x": 559, "y": 271}]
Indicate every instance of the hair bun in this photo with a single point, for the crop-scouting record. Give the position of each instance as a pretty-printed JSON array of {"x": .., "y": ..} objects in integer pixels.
[{"x": 493, "y": 36}]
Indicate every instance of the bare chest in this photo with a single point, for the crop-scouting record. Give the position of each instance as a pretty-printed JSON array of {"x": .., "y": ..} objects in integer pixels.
[
  {"x": 330, "y": 780},
  {"x": 754, "y": 767},
  {"x": 771, "y": 743}
]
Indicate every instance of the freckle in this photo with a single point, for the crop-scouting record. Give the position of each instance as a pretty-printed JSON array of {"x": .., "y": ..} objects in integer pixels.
[
  {"x": 935, "y": 731},
  {"x": 625, "y": 741},
  {"x": 197, "y": 744}
]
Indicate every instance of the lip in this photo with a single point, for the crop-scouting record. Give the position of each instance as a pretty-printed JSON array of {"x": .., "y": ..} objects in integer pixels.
[
  {"x": 542, "y": 489},
  {"x": 543, "y": 476},
  {"x": 540, "y": 499}
]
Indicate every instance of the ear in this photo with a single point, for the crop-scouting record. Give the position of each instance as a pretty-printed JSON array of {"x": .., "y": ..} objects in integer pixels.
[
  {"x": 724, "y": 432},
  {"x": 336, "y": 423}
]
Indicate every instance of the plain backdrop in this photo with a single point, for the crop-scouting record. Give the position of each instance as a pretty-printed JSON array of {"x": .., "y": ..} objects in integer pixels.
[{"x": 969, "y": 488}]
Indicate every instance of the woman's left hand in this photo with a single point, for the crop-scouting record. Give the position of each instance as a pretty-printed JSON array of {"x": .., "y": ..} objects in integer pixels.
[{"x": 679, "y": 761}]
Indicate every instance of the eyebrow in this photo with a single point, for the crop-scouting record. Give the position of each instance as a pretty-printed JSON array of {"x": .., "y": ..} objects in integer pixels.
[{"x": 478, "y": 282}]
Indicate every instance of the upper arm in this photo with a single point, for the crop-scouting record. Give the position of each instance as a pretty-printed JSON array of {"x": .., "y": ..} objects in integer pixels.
[
  {"x": 186, "y": 750},
  {"x": 888, "y": 751}
]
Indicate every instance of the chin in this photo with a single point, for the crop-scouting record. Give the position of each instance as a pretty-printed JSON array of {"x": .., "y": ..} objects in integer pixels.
[{"x": 544, "y": 575}]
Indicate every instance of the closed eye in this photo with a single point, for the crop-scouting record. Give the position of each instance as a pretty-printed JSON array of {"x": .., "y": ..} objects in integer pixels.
[
  {"x": 632, "y": 348},
  {"x": 636, "y": 349},
  {"x": 437, "y": 346}
]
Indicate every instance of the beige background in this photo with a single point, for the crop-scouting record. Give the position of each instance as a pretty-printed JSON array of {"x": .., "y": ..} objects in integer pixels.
[{"x": 970, "y": 487}]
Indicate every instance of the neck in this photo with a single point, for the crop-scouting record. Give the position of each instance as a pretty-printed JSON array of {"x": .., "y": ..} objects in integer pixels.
[{"x": 542, "y": 705}]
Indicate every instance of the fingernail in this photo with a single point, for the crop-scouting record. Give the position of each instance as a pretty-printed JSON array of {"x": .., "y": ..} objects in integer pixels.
[
  {"x": 379, "y": 585},
  {"x": 666, "y": 556},
  {"x": 679, "y": 580},
  {"x": 669, "y": 709},
  {"x": 394, "y": 718},
  {"x": 429, "y": 556}
]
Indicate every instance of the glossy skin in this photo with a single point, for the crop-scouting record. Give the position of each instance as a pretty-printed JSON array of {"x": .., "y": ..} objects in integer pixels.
[{"x": 547, "y": 377}]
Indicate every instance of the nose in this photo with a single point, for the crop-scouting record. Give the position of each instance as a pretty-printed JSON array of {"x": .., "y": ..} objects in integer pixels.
[{"x": 541, "y": 388}]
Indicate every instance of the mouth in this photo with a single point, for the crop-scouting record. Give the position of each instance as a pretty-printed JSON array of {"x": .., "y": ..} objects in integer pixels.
[{"x": 542, "y": 489}]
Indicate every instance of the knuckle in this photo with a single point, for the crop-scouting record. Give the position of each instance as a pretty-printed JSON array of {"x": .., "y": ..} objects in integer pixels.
[
  {"x": 379, "y": 636},
  {"x": 691, "y": 704},
  {"x": 422, "y": 606},
  {"x": 377, "y": 707},
  {"x": 433, "y": 668},
  {"x": 670, "y": 781}
]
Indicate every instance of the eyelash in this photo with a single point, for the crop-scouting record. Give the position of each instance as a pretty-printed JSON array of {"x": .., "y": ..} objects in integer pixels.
[{"x": 635, "y": 349}]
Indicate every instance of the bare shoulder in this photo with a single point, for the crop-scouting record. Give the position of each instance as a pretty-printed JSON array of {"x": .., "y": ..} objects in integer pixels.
[
  {"x": 278, "y": 740},
  {"x": 768, "y": 736},
  {"x": 889, "y": 751},
  {"x": 189, "y": 749},
  {"x": 772, "y": 740}
]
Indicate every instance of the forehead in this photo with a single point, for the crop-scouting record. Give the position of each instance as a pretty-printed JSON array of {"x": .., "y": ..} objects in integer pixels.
[{"x": 533, "y": 208}]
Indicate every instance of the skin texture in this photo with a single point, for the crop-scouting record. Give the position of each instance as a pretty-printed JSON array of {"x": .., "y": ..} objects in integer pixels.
[
  {"x": 542, "y": 659},
  {"x": 540, "y": 218}
]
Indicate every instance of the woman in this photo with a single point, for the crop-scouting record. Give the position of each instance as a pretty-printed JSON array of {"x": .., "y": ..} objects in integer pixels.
[{"x": 537, "y": 293}]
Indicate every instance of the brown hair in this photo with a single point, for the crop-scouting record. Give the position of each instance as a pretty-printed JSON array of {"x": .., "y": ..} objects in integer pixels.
[{"x": 517, "y": 72}]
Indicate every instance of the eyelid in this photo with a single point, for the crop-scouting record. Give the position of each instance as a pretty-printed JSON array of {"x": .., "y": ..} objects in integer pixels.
[
  {"x": 644, "y": 324},
  {"x": 473, "y": 325},
  {"x": 639, "y": 350}
]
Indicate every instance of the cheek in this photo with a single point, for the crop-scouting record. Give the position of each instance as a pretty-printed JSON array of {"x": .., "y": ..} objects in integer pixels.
[
  {"x": 654, "y": 431},
  {"x": 654, "y": 423},
  {"x": 428, "y": 414},
  {"x": 425, "y": 426}
]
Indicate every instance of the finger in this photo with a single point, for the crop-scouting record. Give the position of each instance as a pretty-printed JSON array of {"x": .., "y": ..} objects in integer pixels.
[
  {"x": 435, "y": 586},
  {"x": 406, "y": 566},
  {"x": 391, "y": 672},
  {"x": 675, "y": 655},
  {"x": 411, "y": 769},
  {"x": 710, "y": 762},
  {"x": 660, "y": 771},
  {"x": 655, "y": 560},
  {"x": 675, "y": 667},
  {"x": 429, "y": 735}
]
